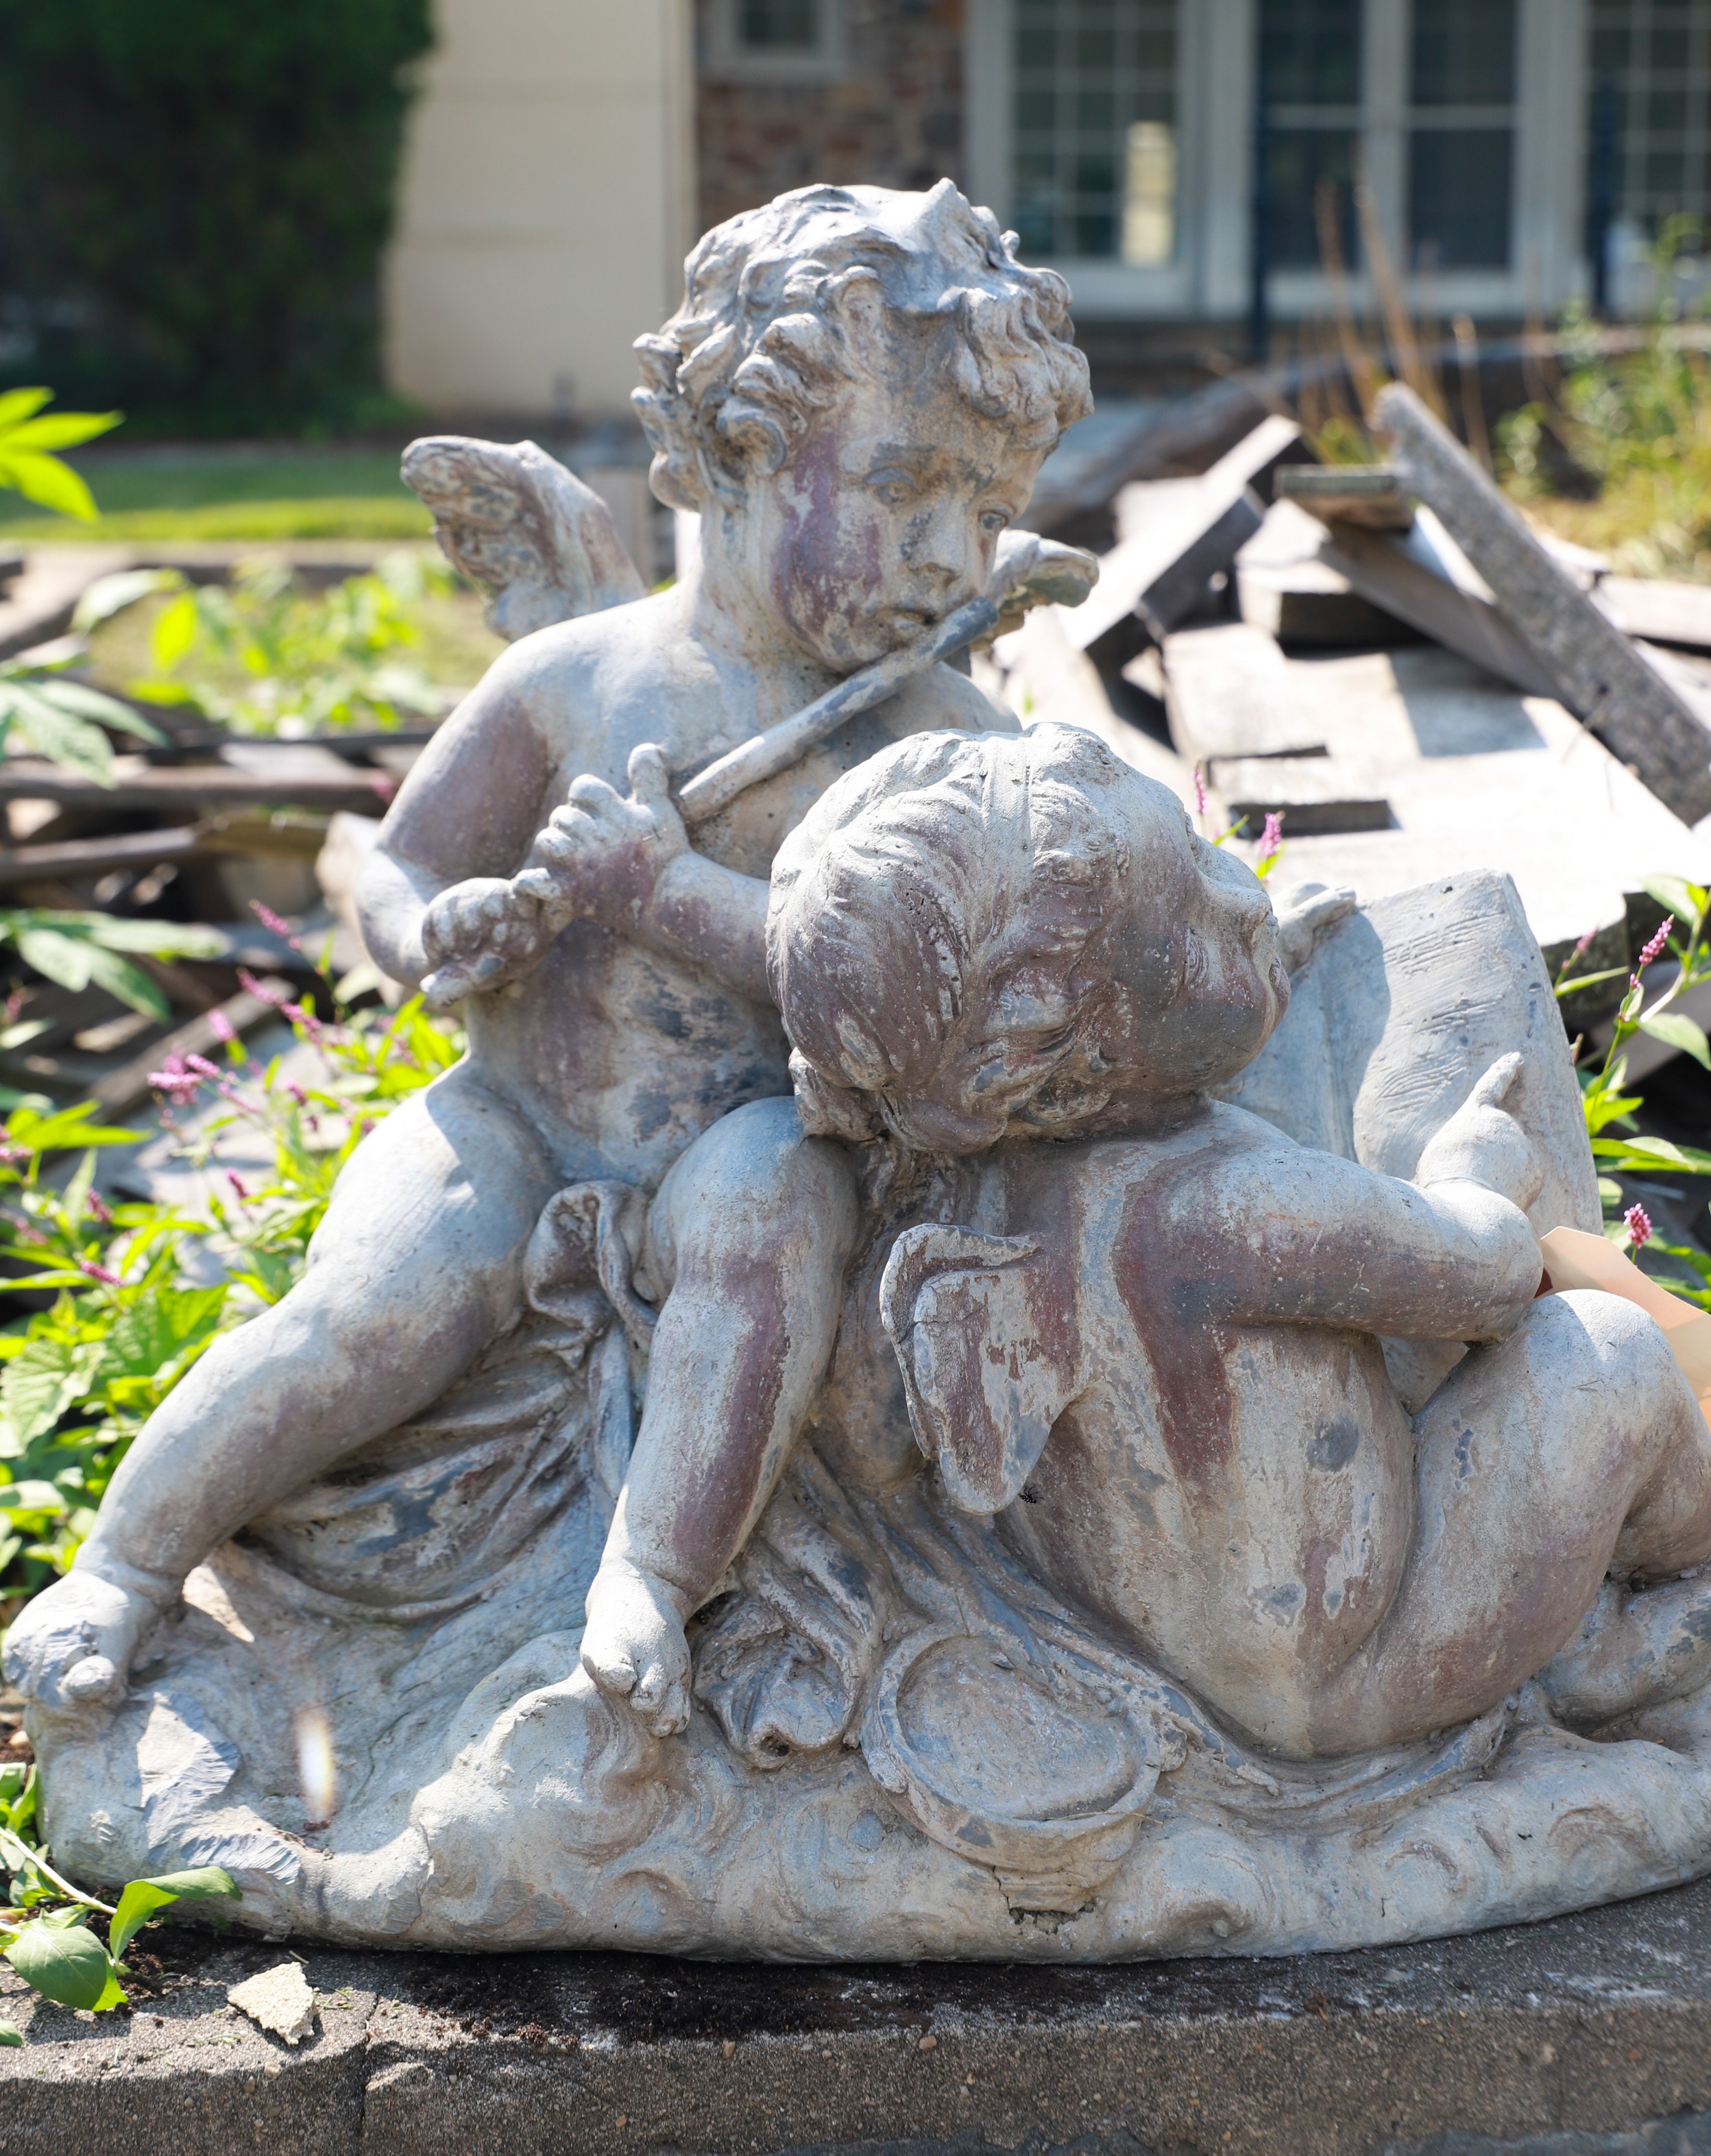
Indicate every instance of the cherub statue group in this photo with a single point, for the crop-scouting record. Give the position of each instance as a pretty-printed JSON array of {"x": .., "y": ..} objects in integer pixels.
[{"x": 836, "y": 1428}]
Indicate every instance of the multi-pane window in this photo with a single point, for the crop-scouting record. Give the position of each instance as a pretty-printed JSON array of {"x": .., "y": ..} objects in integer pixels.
[
  {"x": 1310, "y": 76},
  {"x": 1094, "y": 129},
  {"x": 1656, "y": 55},
  {"x": 1462, "y": 133},
  {"x": 778, "y": 25}
]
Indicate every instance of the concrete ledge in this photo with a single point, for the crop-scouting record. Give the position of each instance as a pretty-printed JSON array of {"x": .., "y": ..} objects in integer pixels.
[{"x": 1589, "y": 2036}]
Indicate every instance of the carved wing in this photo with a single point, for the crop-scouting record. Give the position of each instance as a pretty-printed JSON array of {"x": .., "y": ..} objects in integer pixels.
[
  {"x": 538, "y": 542},
  {"x": 985, "y": 1378}
]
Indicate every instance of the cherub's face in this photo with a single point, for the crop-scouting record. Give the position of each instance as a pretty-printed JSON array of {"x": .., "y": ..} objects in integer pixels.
[
  {"x": 888, "y": 515},
  {"x": 1200, "y": 983}
]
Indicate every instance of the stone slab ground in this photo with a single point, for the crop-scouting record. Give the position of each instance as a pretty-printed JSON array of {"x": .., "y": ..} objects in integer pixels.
[{"x": 1587, "y": 2036}]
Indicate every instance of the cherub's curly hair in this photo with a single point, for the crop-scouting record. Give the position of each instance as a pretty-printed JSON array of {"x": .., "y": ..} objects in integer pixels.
[
  {"x": 927, "y": 937},
  {"x": 764, "y": 337}
]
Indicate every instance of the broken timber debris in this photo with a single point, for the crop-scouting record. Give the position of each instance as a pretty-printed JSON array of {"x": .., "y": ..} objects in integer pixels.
[
  {"x": 1597, "y": 672},
  {"x": 1367, "y": 495},
  {"x": 1182, "y": 533},
  {"x": 1229, "y": 692}
]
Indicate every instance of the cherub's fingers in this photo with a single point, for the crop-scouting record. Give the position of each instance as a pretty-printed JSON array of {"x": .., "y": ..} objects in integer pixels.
[
  {"x": 1494, "y": 1085},
  {"x": 612, "y": 1673},
  {"x": 672, "y": 1718},
  {"x": 649, "y": 774},
  {"x": 588, "y": 793}
]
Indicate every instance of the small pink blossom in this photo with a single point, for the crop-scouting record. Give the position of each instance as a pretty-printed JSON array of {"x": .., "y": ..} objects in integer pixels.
[
  {"x": 1585, "y": 944},
  {"x": 262, "y": 991},
  {"x": 1655, "y": 948},
  {"x": 1199, "y": 792},
  {"x": 274, "y": 923},
  {"x": 99, "y": 1209},
  {"x": 221, "y": 1027},
  {"x": 237, "y": 1183},
  {"x": 177, "y": 1081},
  {"x": 1638, "y": 1223},
  {"x": 297, "y": 1094},
  {"x": 11, "y": 1153},
  {"x": 1271, "y": 837},
  {"x": 99, "y": 1273},
  {"x": 307, "y": 1019},
  {"x": 384, "y": 785}
]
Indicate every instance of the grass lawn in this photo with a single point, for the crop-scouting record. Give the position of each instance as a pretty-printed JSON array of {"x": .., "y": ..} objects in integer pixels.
[{"x": 240, "y": 493}]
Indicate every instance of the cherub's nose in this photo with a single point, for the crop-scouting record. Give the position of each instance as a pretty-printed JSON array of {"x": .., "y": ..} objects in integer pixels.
[{"x": 941, "y": 550}]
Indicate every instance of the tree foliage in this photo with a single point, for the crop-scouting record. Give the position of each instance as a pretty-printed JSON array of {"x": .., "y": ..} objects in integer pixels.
[{"x": 197, "y": 194}]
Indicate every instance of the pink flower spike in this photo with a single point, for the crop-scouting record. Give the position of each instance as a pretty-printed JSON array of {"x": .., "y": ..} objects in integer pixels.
[
  {"x": 99, "y": 1209},
  {"x": 259, "y": 989},
  {"x": 298, "y": 1094},
  {"x": 99, "y": 1273},
  {"x": 1199, "y": 792},
  {"x": 236, "y": 1182},
  {"x": 298, "y": 1016},
  {"x": 274, "y": 923},
  {"x": 203, "y": 1068},
  {"x": 1271, "y": 837},
  {"x": 177, "y": 1081},
  {"x": 1638, "y": 1223},
  {"x": 1585, "y": 944},
  {"x": 221, "y": 1027},
  {"x": 1655, "y": 948}
]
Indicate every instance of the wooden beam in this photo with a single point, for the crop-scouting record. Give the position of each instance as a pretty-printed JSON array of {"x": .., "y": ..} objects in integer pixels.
[{"x": 1596, "y": 671}]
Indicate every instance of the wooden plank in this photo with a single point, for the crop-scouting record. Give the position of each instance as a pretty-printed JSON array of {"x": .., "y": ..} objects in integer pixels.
[
  {"x": 1314, "y": 796},
  {"x": 76, "y": 859},
  {"x": 1370, "y": 496},
  {"x": 1598, "y": 673},
  {"x": 139, "y": 785},
  {"x": 1229, "y": 692},
  {"x": 1178, "y": 535},
  {"x": 1660, "y": 611},
  {"x": 1424, "y": 579}
]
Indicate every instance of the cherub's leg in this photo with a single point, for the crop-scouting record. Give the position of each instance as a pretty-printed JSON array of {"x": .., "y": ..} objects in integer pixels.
[
  {"x": 1572, "y": 1447},
  {"x": 752, "y": 1229},
  {"x": 416, "y": 1267}
]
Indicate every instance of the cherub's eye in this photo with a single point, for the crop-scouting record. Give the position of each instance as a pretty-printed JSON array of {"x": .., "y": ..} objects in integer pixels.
[
  {"x": 892, "y": 489},
  {"x": 994, "y": 520}
]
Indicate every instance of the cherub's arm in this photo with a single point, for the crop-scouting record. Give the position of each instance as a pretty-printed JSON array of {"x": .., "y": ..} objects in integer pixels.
[
  {"x": 433, "y": 887},
  {"x": 1280, "y": 1234},
  {"x": 750, "y": 1235}
]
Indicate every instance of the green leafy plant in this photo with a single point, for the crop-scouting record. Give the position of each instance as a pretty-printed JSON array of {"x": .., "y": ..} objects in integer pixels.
[
  {"x": 28, "y": 441},
  {"x": 63, "y": 719},
  {"x": 75, "y": 950},
  {"x": 1618, "y": 1146},
  {"x": 45, "y": 1925},
  {"x": 263, "y": 656},
  {"x": 134, "y": 1304}
]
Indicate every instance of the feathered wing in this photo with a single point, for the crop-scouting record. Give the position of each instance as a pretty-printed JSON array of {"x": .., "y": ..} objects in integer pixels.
[{"x": 538, "y": 542}]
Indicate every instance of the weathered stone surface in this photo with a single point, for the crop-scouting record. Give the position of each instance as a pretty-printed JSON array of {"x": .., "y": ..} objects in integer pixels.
[
  {"x": 279, "y": 2000},
  {"x": 1587, "y": 2037},
  {"x": 1597, "y": 671}
]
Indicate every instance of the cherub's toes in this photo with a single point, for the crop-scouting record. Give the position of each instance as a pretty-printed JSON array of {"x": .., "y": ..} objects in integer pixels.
[
  {"x": 663, "y": 1700},
  {"x": 612, "y": 1673}
]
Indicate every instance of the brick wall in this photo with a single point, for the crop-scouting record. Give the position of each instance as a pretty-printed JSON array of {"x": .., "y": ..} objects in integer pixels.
[{"x": 893, "y": 118}]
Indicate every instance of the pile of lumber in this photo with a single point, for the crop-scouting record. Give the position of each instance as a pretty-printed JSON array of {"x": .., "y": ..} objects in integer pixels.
[{"x": 1393, "y": 662}]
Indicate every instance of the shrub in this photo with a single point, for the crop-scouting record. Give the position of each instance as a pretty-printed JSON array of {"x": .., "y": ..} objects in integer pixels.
[{"x": 203, "y": 191}]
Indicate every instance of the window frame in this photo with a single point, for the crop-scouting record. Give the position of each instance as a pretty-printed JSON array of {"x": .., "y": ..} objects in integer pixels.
[
  {"x": 1217, "y": 57},
  {"x": 727, "y": 58}
]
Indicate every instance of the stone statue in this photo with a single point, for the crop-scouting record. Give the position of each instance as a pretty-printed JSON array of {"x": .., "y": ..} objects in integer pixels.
[{"x": 1112, "y": 1475}]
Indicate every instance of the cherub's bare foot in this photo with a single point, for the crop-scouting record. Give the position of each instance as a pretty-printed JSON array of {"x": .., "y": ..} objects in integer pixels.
[
  {"x": 73, "y": 1647},
  {"x": 634, "y": 1645}
]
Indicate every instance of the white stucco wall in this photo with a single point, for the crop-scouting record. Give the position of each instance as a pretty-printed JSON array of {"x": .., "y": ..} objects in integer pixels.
[{"x": 546, "y": 203}]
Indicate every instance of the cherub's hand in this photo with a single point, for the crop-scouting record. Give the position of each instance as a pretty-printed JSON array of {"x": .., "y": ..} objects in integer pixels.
[
  {"x": 1305, "y": 914},
  {"x": 634, "y": 1645},
  {"x": 478, "y": 935},
  {"x": 1482, "y": 1142},
  {"x": 602, "y": 854},
  {"x": 72, "y": 1647}
]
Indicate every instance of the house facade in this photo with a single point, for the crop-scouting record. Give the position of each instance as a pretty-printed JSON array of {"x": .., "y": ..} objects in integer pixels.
[{"x": 1178, "y": 160}]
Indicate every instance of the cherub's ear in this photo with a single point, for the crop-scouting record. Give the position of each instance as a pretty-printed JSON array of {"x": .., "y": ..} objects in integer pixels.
[{"x": 987, "y": 1342}]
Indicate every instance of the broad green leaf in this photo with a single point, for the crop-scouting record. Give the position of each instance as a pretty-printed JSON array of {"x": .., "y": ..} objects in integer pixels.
[
  {"x": 77, "y": 1190},
  {"x": 18, "y": 405},
  {"x": 67, "y": 1128},
  {"x": 143, "y": 1896},
  {"x": 9, "y": 2034},
  {"x": 128, "y": 983},
  {"x": 1676, "y": 895},
  {"x": 38, "y": 1386},
  {"x": 158, "y": 1327},
  {"x": 59, "y": 430},
  {"x": 46, "y": 481},
  {"x": 109, "y": 595},
  {"x": 61, "y": 736},
  {"x": 66, "y": 1963},
  {"x": 1679, "y": 1031},
  {"x": 174, "y": 632},
  {"x": 65, "y": 960},
  {"x": 105, "y": 711},
  {"x": 159, "y": 939}
]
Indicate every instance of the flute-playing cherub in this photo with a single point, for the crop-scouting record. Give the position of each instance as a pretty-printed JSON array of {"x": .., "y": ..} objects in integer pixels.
[{"x": 856, "y": 394}]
